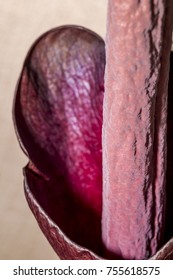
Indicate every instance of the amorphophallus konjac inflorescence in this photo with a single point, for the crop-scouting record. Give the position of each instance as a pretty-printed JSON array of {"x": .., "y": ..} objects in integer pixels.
[{"x": 94, "y": 121}]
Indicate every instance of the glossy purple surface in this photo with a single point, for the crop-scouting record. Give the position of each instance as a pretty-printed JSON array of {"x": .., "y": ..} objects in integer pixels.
[{"x": 58, "y": 117}]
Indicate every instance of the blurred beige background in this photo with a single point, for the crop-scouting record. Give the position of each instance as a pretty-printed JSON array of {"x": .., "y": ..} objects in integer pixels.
[{"x": 21, "y": 22}]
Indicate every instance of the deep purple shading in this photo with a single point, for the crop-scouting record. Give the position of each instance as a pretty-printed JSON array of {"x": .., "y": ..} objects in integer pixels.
[
  {"x": 58, "y": 118},
  {"x": 169, "y": 174}
]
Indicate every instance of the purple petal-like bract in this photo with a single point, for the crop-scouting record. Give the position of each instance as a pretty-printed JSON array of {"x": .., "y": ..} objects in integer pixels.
[{"x": 58, "y": 117}]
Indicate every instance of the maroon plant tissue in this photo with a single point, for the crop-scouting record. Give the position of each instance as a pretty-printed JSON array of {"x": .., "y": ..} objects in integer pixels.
[{"x": 97, "y": 127}]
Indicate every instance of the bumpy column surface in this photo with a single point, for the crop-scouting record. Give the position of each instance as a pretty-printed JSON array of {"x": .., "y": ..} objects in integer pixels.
[{"x": 138, "y": 45}]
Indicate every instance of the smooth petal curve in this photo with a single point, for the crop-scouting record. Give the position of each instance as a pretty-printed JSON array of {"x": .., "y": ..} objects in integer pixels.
[{"x": 58, "y": 120}]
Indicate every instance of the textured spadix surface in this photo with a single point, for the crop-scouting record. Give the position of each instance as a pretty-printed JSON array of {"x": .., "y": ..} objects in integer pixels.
[{"x": 134, "y": 126}]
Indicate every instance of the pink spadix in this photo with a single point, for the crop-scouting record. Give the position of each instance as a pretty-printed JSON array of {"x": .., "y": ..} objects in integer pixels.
[{"x": 134, "y": 126}]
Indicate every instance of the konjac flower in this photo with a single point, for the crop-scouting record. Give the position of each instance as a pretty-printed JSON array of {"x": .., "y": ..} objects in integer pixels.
[
  {"x": 65, "y": 118},
  {"x": 58, "y": 116}
]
